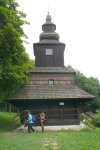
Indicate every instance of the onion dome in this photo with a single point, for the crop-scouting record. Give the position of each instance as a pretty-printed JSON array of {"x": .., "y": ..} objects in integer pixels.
[
  {"x": 49, "y": 30},
  {"x": 48, "y": 18}
]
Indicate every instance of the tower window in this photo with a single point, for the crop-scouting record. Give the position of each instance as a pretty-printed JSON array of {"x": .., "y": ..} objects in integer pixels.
[
  {"x": 51, "y": 82},
  {"x": 49, "y": 51}
]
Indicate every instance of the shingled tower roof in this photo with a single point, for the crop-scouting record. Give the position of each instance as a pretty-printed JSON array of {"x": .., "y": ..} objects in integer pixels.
[{"x": 50, "y": 67}]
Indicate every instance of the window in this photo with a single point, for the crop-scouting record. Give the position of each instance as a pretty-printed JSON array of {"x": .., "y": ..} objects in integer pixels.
[
  {"x": 49, "y": 51},
  {"x": 61, "y": 103},
  {"x": 51, "y": 82}
]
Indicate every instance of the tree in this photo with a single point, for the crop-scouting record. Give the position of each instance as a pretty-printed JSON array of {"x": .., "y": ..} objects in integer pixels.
[
  {"x": 32, "y": 62},
  {"x": 14, "y": 61},
  {"x": 90, "y": 85}
]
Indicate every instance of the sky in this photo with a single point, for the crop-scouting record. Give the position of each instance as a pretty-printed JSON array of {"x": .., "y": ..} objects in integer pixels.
[{"x": 77, "y": 23}]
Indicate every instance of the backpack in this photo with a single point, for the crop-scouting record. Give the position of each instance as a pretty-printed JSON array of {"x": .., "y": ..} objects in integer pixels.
[{"x": 33, "y": 118}]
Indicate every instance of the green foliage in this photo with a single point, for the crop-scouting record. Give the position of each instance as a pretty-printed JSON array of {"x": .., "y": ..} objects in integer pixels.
[
  {"x": 82, "y": 116},
  {"x": 32, "y": 62},
  {"x": 14, "y": 61},
  {"x": 90, "y": 85},
  {"x": 88, "y": 122},
  {"x": 97, "y": 118}
]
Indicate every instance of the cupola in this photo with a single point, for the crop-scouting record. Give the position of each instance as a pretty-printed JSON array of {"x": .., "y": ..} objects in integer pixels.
[{"x": 49, "y": 30}]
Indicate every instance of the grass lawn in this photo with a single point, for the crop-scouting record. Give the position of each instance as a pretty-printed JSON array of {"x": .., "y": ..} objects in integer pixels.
[
  {"x": 6, "y": 121},
  {"x": 22, "y": 141},
  {"x": 86, "y": 139},
  {"x": 79, "y": 140},
  {"x": 67, "y": 140}
]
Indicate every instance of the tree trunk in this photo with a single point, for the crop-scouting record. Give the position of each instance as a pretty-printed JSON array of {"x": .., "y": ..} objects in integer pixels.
[
  {"x": 9, "y": 108},
  {"x": 5, "y": 106}
]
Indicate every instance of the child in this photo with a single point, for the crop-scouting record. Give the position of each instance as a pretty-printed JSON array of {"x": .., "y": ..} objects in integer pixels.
[{"x": 30, "y": 122}]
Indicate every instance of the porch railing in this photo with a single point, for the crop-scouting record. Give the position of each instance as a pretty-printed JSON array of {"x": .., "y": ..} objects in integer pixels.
[
  {"x": 71, "y": 113},
  {"x": 50, "y": 114},
  {"x": 85, "y": 120}
]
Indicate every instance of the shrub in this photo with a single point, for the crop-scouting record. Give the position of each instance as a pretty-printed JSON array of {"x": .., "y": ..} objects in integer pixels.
[
  {"x": 88, "y": 122},
  {"x": 97, "y": 118},
  {"x": 82, "y": 116}
]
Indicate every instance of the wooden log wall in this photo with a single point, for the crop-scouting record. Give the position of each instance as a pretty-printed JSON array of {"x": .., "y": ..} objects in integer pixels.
[{"x": 43, "y": 79}]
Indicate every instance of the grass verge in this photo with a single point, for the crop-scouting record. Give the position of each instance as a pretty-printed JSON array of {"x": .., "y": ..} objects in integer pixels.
[
  {"x": 6, "y": 121},
  {"x": 85, "y": 139},
  {"x": 22, "y": 141}
]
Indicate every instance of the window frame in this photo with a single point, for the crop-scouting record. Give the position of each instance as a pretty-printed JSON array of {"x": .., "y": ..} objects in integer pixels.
[
  {"x": 51, "y": 80},
  {"x": 49, "y": 49}
]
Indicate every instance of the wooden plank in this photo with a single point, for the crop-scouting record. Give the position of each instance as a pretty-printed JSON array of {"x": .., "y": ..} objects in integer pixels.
[{"x": 42, "y": 60}]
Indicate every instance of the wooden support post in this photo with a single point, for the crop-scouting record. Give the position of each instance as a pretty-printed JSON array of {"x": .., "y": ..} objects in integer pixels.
[
  {"x": 9, "y": 108},
  {"x": 42, "y": 125},
  {"x": 42, "y": 118},
  {"x": 61, "y": 114},
  {"x": 24, "y": 116},
  {"x": 5, "y": 106},
  {"x": 94, "y": 124},
  {"x": 78, "y": 115},
  {"x": 54, "y": 112},
  {"x": 13, "y": 124}
]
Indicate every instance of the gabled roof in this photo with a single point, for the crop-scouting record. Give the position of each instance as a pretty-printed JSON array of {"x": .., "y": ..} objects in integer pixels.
[
  {"x": 51, "y": 70},
  {"x": 50, "y": 92}
]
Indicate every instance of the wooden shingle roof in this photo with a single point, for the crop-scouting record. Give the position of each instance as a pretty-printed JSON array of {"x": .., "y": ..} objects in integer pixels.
[
  {"x": 50, "y": 92},
  {"x": 51, "y": 70}
]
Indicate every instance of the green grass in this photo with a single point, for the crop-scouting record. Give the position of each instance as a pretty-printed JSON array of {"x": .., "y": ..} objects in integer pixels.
[
  {"x": 79, "y": 140},
  {"x": 86, "y": 139},
  {"x": 67, "y": 140},
  {"x": 22, "y": 141},
  {"x": 6, "y": 121}
]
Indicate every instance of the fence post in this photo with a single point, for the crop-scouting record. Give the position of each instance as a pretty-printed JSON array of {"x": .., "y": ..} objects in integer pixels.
[
  {"x": 61, "y": 114},
  {"x": 5, "y": 106},
  {"x": 13, "y": 124},
  {"x": 78, "y": 114},
  {"x": 54, "y": 112},
  {"x": 24, "y": 116},
  {"x": 94, "y": 124}
]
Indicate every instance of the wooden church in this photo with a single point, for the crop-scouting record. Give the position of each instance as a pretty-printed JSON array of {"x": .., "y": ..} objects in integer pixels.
[{"x": 51, "y": 88}]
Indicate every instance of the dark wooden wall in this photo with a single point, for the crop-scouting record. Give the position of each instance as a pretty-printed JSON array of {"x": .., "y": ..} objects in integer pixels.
[
  {"x": 68, "y": 114},
  {"x": 43, "y": 79},
  {"x": 55, "y": 113},
  {"x": 55, "y": 60}
]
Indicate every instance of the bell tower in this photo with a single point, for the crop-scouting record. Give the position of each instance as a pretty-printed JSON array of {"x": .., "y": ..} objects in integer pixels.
[{"x": 49, "y": 52}]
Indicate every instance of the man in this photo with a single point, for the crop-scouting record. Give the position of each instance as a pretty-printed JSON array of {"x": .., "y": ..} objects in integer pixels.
[{"x": 30, "y": 122}]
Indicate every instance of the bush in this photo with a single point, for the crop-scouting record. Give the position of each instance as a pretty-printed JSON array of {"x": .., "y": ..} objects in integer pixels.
[
  {"x": 88, "y": 122},
  {"x": 82, "y": 116},
  {"x": 97, "y": 118}
]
